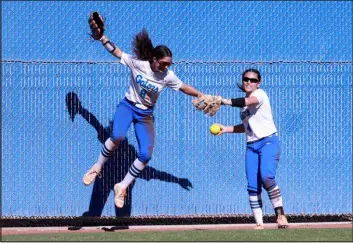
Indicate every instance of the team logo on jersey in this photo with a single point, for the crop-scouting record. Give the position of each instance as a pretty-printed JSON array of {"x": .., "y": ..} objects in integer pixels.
[
  {"x": 244, "y": 114},
  {"x": 145, "y": 84}
]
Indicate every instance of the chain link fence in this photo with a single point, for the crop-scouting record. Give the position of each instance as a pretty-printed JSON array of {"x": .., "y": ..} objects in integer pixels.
[
  {"x": 48, "y": 144},
  {"x": 50, "y": 69}
]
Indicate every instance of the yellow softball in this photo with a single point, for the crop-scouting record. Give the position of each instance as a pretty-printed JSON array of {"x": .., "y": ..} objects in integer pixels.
[{"x": 215, "y": 129}]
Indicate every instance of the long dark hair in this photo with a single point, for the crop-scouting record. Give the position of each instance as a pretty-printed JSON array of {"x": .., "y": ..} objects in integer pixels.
[
  {"x": 144, "y": 50},
  {"x": 253, "y": 70}
]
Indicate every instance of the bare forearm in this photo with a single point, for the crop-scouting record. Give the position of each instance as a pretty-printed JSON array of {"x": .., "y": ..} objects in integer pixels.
[
  {"x": 111, "y": 47},
  {"x": 234, "y": 129},
  {"x": 240, "y": 102},
  {"x": 226, "y": 101},
  {"x": 189, "y": 90}
]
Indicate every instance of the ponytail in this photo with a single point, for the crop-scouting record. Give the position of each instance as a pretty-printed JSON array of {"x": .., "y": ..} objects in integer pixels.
[
  {"x": 144, "y": 50},
  {"x": 142, "y": 46}
]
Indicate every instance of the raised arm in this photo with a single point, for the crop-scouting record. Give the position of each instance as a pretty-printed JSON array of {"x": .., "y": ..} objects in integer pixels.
[
  {"x": 96, "y": 23},
  {"x": 111, "y": 47}
]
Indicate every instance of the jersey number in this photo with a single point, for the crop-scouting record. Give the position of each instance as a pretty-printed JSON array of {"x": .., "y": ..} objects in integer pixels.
[{"x": 143, "y": 93}]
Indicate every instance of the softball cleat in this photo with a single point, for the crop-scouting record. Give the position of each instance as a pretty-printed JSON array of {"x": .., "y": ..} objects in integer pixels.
[
  {"x": 282, "y": 222},
  {"x": 91, "y": 175},
  {"x": 119, "y": 197}
]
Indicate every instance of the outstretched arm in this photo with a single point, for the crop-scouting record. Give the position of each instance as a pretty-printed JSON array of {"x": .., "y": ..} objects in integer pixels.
[
  {"x": 240, "y": 102},
  {"x": 111, "y": 47},
  {"x": 96, "y": 23},
  {"x": 189, "y": 90}
]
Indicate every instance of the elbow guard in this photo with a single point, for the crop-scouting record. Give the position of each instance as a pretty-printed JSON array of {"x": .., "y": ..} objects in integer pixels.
[{"x": 238, "y": 102}]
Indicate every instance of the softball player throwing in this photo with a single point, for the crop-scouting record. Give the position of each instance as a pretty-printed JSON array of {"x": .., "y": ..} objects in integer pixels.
[
  {"x": 149, "y": 76},
  {"x": 263, "y": 147}
]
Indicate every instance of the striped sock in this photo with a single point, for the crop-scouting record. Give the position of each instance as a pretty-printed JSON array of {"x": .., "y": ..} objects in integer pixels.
[
  {"x": 108, "y": 149},
  {"x": 256, "y": 207},
  {"x": 275, "y": 197},
  {"x": 135, "y": 170}
]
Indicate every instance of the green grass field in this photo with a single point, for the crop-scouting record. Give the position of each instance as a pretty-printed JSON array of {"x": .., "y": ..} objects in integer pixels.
[{"x": 196, "y": 235}]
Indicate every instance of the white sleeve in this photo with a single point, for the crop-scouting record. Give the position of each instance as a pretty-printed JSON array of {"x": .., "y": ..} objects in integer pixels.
[
  {"x": 260, "y": 95},
  {"x": 126, "y": 60},
  {"x": 173, "y": 81}
]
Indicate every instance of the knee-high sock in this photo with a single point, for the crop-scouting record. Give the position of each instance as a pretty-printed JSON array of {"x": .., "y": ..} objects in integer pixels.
[
  {"x": 276, "y": 200},
  {"x": 107, "y": 150},
  {"x": 275, "y": 197},
  {"x": 256, "y": 207},
  {"x": 135, "y": 170}
]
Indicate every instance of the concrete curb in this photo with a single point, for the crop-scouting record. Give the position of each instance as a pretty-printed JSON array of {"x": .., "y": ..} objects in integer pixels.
[{"x": 48, "y": 230}]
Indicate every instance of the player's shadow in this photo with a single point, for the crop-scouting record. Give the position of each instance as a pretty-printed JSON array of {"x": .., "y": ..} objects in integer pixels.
[{"x": 115, "y": 169}]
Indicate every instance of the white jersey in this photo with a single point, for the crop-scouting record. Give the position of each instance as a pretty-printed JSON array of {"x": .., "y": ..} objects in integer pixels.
[
  {"x": 146, "y": 85},
  {"x": 257, "y": 119}
]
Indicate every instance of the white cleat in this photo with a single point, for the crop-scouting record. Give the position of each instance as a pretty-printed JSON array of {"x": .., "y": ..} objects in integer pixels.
[
  {"x": 91, "y": 175},
  {"x": 119, "y": 197}
]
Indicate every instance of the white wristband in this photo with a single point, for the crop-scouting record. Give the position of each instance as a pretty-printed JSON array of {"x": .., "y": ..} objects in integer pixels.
[
  {"x": 108, "y": 44},
  {"x": 103, "y": 37}
]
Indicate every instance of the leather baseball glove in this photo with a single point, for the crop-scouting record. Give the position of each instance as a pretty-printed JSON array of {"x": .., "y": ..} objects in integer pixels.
[
  {"x": 209, "y": 104},
  {"x": 96, "y": 23}
]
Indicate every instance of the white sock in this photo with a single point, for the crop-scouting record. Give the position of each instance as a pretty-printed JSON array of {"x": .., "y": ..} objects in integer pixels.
[
  {"x": 107, "y": 150},
  {"x": 256, "y": 207},
  {"x": 275, "y": 197},
  {"x": 135, "y": 170}
]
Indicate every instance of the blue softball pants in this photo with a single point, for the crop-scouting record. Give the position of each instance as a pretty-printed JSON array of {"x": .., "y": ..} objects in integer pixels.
[
  {"x": 261, "y": 161},
  {"x": 143, "y": 120}
]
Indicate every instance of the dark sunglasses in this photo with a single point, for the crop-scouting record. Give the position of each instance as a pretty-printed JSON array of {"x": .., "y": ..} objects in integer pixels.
[{"x": 252, "y": 80}]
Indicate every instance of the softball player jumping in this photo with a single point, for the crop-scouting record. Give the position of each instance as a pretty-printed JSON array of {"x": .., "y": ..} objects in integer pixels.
[
  {"x": 263, "y": 147},
  {"x": 149, "y": 76}
]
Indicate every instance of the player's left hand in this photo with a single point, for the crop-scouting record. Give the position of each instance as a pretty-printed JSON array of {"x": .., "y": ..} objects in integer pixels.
[
  {"x": 96, "y": 23},
  {"x": 209, "y": 104}
]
